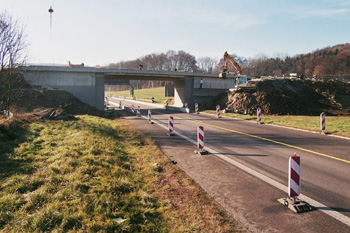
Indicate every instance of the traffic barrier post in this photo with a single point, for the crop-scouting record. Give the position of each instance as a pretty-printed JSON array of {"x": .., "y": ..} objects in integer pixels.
[
  {"x": 196, "y": 108},
  {"x": 138, "y": 111},
  {"x": 294, "y": 181},
  {"x": 149, "y": 117},
  {"x": 171, "y": 126},
  {"x": 218, "y": 111},
  {"x": 323, "y": 122},
  {"x": 258, "y": 113},
  {"x": 294, "y": 187}
]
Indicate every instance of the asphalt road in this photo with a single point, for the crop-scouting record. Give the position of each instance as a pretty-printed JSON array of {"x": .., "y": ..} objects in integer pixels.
[{"x": 247, "y": 170}]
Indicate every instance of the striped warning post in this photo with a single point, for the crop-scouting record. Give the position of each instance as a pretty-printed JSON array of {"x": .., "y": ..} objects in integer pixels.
[
  {"x": 149, "y": 116},
  {"x": 258, "y": 114},
  {"x": 138, "y": 111},
  {"x": 323, "y": 121},
  {"x": 132, "y": 108},
  {"x": 218, "y": 111},
  {"x": 171, "y": 126},
  {"x": 200, "y": 137},
  {"x": 196, "y": 108},
  {"x": 294, "y": 181}
]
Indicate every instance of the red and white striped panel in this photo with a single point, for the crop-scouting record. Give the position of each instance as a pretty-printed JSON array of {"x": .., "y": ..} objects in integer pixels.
[
  {"x": 138, "y": 111},
  {"x": 258, "y": 113},
  {"x": 200, "y": 137},
  {"x": 323, "y": 121},
  {"x": 149, "y": 116},
  {"x": 132, "y": 108},
  {"x": 171, "y": 124},
  {"x": 217, "y": 111},
  {"x": 196, "y": 108},
  {"x": 294, "y": 181}
]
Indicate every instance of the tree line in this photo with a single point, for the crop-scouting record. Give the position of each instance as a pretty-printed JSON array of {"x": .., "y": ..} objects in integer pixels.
[{"x": 327, "y": 62}]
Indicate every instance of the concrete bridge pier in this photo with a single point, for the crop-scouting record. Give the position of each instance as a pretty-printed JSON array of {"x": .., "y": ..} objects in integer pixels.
[{"x": 183, "y": 92}]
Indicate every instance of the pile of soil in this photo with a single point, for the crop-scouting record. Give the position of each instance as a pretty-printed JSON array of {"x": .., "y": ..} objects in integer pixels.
[
  {"x": 49, "y": 104},
  {"x": 288, "y": 97}
]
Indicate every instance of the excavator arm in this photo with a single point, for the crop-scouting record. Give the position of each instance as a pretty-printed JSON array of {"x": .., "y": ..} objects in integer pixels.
[{"x": 227, "y": 58}]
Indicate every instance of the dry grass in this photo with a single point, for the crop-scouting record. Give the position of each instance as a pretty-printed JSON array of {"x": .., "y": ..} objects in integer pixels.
[
  {"x": 339, "y": 125},
  {"x": 69, "y": 176}
]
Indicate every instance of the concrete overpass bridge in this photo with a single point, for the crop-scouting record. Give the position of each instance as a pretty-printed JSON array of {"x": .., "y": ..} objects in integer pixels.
[{"x": 87, "y": 83}]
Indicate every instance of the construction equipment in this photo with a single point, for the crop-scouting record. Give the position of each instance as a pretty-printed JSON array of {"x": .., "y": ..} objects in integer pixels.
[
  {"x": 242, "y": 81},
  {"x": 227, "y": 57}
]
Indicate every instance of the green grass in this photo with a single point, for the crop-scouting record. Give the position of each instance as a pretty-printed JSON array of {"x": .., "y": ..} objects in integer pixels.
[
  {"x": 69, "y": 176},
  {"x": 339, "y": 125},
  {"x": 158, "y": 94}
]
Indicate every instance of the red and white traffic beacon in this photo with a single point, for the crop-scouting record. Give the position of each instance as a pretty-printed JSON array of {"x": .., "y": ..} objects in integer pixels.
[
  {"x": 200, "y": 141},
  {"x": 294, "y": 187},
  {"x": 171, "y": 126}
]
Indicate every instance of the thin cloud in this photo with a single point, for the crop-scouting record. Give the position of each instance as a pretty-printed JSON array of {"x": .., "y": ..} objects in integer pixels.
[
  {"x": 329, "y": 12},
  {"x": 222, "y": 21}
]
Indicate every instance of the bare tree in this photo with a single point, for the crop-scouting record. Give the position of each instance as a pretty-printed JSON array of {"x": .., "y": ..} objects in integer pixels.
[
  {"x": 206, "y": 64},
  {"x": 12, "y": 54}
]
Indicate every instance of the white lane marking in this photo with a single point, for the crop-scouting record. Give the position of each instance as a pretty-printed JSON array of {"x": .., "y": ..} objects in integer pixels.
[{"x": 325, "y": 209}]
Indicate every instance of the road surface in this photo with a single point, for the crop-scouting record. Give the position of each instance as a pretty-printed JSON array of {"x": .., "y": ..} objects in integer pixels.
[{"x": 247, "y": 170}]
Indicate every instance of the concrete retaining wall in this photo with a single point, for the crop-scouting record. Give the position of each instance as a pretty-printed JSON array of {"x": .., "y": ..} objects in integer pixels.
[{"x": 88, "y": 87}]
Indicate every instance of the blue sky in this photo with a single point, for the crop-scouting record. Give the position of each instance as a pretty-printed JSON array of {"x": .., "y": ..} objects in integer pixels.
[{"x": 108, "y": 31}]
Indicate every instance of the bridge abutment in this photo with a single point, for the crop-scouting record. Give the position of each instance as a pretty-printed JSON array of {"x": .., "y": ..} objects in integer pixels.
[{"x": 86, "y": 86}]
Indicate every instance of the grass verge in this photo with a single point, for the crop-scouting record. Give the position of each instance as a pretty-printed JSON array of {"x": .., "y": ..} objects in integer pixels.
[
  {"x": 158, "y": 93},
  {"x": 339, "y": 125},
  {"x": 96, "y": 175}
]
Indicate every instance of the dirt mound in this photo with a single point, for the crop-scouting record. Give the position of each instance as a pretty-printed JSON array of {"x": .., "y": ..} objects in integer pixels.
[
  {"x": 49, "y": 104},
  {"x": 290, "y": 97}
]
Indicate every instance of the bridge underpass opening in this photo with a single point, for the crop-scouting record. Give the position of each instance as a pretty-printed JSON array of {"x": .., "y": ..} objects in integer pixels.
[{"x": 125, "y": 85}]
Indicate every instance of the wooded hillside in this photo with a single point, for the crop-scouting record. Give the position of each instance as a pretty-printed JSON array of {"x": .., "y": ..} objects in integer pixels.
[{"x": 329, "y": 62}]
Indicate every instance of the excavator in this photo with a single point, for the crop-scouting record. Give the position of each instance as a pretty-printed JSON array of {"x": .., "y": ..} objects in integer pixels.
[
  {"x": 227, "y": 57},
  {"x": 241, "y": 80}
]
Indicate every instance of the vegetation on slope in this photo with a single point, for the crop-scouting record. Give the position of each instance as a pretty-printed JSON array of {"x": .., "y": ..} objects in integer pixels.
[{"x": 96, "y": 175}]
